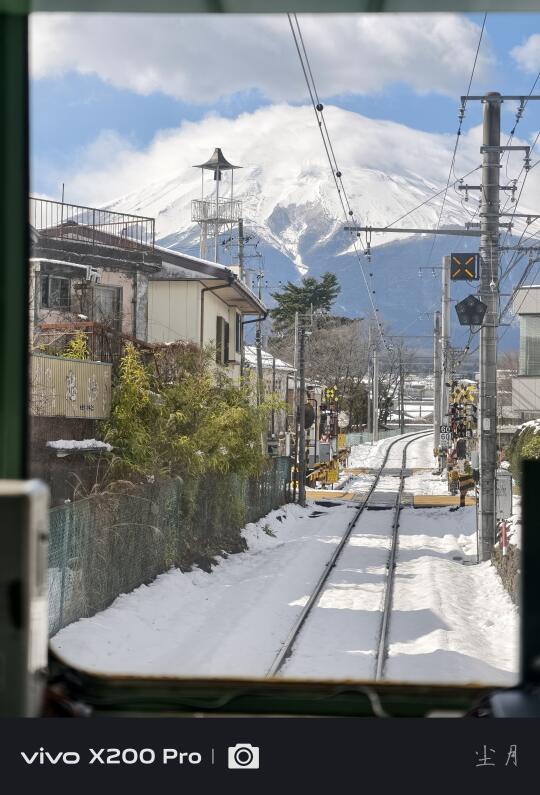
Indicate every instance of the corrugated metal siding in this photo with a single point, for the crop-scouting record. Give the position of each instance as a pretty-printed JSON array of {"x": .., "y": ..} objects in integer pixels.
[{"x": 69, "y": 388}]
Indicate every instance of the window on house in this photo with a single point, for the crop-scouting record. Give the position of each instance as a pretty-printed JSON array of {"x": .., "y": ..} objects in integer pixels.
[
  {"x": 55, "y": 292},
  {"x": 226, "y": 342},
  {"x": 529, "y": 345},
  {"x": 238, "y": 333},
  {"x": 103, "y": 305},
  {"x": 222, "y": 340}
]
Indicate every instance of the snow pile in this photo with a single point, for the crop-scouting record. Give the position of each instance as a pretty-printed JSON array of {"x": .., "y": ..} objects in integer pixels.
[
  {"x": 534, "y": 424},
  {"x": 79, "y": 444},
  {"x": 513, "y": 524}
]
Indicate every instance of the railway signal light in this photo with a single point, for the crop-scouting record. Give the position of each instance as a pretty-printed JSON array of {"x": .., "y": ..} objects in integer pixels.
[
  {"x": 471, "y": 311},
  {"x": 464, "y": 267}
]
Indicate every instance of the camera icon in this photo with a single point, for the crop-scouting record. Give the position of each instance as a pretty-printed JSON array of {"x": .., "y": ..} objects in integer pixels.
[{"x": 243, "y": 756}]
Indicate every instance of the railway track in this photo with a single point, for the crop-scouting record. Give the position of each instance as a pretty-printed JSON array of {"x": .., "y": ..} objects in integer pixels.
[{"x": 287, "y": 648}]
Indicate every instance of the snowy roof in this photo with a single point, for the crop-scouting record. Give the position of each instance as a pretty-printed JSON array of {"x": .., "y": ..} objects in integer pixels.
[
  {"x": 196, "y": 264},
  {"x": 250, "y": 353},
  {"x": 80, "y": 444}
]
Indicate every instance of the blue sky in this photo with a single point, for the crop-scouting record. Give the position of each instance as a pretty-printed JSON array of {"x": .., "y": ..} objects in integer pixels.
[{"x": 70, "y": 109}]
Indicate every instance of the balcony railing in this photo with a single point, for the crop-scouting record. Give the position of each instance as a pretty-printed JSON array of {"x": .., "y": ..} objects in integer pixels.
[
  {"x": 205, "y": 211},
  {"x": 91, "y": 225}
]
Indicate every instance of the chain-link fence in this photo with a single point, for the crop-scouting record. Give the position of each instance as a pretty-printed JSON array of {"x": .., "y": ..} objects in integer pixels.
[{"x": 111, "y": 543}]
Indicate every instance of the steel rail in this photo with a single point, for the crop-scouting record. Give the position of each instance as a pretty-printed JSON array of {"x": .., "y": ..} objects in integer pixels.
[
  {"x": 389, "y": 590},
  {"x": 288, "y": 645}
]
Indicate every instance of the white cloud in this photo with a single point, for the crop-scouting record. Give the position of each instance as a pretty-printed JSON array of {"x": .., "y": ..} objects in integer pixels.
[
  {"x": 202, "y": 58},
  {"x": 527, "y": 55},
  {"x": 387, "y": 167}
]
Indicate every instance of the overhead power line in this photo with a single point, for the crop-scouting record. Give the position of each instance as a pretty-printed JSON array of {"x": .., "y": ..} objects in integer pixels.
[
  {"x": 337, "y": 175},
  {"x": 458, "y": 137}
]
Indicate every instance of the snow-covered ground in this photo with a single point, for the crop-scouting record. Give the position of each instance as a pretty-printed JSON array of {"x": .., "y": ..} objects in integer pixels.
[
  {"x": 451, "y": 622},
  {"x": 230, "y": 622}
]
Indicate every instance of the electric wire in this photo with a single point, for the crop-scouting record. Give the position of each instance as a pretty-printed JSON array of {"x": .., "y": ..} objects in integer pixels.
[
  {"x": 458, "y": 138},
  {"x": 330, "y": 153}
]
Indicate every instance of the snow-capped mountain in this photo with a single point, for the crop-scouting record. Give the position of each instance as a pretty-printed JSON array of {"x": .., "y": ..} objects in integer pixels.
[{"x": 291, "y": 205}]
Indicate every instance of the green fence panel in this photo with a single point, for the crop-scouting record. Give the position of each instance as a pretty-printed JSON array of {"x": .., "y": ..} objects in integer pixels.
[{"x": 112, "y": 543}]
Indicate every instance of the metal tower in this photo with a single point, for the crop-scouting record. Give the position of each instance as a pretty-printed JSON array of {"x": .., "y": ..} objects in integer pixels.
[{"x": 213, "y": 213}]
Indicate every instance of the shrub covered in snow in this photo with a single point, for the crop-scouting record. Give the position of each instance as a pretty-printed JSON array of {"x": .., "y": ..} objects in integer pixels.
[{"x": 525, "y": 444}]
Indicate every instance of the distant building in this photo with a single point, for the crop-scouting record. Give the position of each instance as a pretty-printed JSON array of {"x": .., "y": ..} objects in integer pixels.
[
  {"x": 278, "y": 379},
  {"x": 526, "y": 385}
]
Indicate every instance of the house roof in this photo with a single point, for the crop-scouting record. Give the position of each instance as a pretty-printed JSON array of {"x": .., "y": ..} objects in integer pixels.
[
  {"x": 250, "y": 353},
  {"x": 177, "y": 266}
]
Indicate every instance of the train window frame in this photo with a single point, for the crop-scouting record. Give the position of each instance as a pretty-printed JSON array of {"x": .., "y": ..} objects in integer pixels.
[{"x": 109, "y": 693}]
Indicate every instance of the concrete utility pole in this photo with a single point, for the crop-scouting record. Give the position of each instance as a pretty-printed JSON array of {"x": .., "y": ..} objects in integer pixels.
[
  {"x": 241, "y": 248},
  {"x": 401, "y": 397},
  {"x": 489, "y": 294},
  {"x": 436, "y": 380},
  {"x": 301, "y": 402},
  {"x": 295, "y": 405},
  {"x": 260, "y": 375},
  {"x": 375, "y": 421},
  {"x": 369, "y": 424},
  {"x": 445, "y": 338}
]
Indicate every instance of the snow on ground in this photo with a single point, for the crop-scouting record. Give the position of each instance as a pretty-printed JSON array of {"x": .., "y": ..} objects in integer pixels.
[
  {"x": 451, "y": 622},
  {"x": 230, "y": 622},
  {"x": 341, "y": 633},
  {"x": 514, "y": 522},
  {"x": 371, "y": 455}
]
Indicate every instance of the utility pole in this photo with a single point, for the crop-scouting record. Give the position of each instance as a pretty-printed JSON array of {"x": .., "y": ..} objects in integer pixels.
[
  {"x": 445, "y": 338},
  {"x": 436, "y": 380},
  {"x": 260, "y": 380},
  {"x": 375, "y": 420},
  {"x": 369, "y": 425},
  {"x": 295, "y": 405},
  {"x": 490, "y": 217},
  {"x": 301, "y": 402},
  {"x": 241, "y": 248},
  {"x": 401, "y": 397},
  {"x": 489, "y": 294},
  {"x": 273, "y": 392}
]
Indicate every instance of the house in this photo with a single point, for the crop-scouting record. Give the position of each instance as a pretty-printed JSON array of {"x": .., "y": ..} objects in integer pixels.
[
  {"x": 526, "y": 385},
  {"x": 278, "y": 379},
  {"x": 89, "y": 269},
  {"x": 195, "y": 300}
]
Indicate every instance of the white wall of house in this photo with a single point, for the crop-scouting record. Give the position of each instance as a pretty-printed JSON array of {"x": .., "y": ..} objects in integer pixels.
[
  {"x": 174, "y": 313},
  {"x": 526, "y": 385}
]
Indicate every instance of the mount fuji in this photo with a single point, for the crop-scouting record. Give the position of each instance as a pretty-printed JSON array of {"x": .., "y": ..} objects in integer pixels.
[{"x": 292, "y": 211}]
